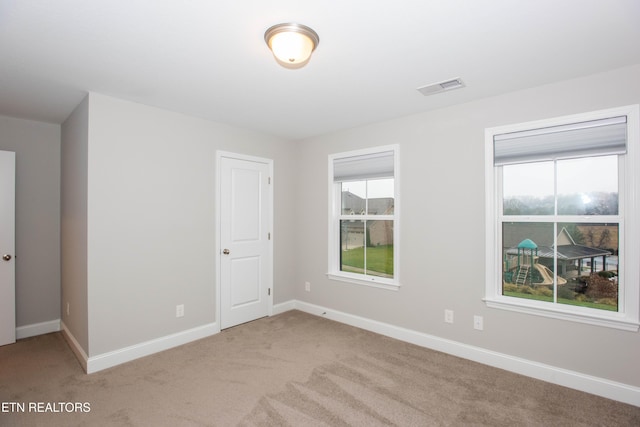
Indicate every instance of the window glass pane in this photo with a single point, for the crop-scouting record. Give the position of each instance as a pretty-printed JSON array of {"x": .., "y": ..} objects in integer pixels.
[
  {"x": 379, "y": 250},
  {"x": 352, "y": 242},
  {"x": 588, "y": 265},
  {"x": 368, "y": 253},
  {"x": 528, "y": 189},
  {"x": 588, "y": 186},
  {"x": 353, "y": 198},
  {"x": 586, "y": 260},
  {"x": 527, "y": 260},
  {"x": 380, "y": 196}
]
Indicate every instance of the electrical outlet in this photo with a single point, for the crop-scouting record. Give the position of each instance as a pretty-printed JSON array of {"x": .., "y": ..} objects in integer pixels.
[
  {"x": 307, "y": 286},
  {"x": 67, "y": 308},
  {"x": 448, "y": 316},
  {"x": 478, "y": 323},
  {"x": 180, "y": 310}
]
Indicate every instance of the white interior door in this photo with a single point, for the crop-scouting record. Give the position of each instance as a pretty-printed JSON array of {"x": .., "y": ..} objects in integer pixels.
[
  {"x": 246, "y": 261},
  {"x": 7, "y": 248}
]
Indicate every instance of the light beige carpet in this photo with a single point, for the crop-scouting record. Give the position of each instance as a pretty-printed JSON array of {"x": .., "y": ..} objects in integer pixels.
[{"x": 292, "y": 369}]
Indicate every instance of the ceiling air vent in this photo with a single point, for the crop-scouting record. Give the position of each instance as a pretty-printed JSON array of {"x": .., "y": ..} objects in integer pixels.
[{"x": 441, "y": 87}]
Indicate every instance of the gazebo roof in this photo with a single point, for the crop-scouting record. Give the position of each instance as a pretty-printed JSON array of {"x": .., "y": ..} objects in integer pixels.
[
  {"x": 566, "y": 252},
  {"x": 527, "y": 244},
  {"x": 543, "y": 235}
]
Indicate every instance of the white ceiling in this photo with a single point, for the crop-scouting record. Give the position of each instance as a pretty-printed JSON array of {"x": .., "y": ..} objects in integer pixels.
[{"x": 208, "y": 58}]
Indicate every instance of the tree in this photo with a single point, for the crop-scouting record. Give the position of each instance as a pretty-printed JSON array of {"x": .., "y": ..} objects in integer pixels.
[{"x": 605, "y": 238}]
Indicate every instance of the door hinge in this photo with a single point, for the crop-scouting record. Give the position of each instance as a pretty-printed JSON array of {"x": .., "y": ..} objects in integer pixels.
[
  {"x": 269, "y": 292},
  {"x": 269, "y": 180},
  {"x": 269, "y": 236}
]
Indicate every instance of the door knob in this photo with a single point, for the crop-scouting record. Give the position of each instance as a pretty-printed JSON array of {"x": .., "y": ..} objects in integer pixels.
[
  {"x": 6, "y": 257},
  {"x": 225, "y": 251}
]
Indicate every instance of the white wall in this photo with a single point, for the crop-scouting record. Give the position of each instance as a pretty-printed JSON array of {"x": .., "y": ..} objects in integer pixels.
[
  {"x": 442, "y": 229},
  {"x": 37, "y": 148},
  {"x": 151, "y": 219},
  {"x": 75, "y": 145}
]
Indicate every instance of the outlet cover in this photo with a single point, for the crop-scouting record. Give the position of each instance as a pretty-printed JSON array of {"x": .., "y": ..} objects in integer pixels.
[
  {"x": 448, "y": 316},
  {"x": 307, "y": 286},
  {"x": 180, "y": 310},
  {"x": 478, "y": 323}
]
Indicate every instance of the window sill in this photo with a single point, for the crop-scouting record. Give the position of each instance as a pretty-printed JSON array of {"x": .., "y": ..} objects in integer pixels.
[
  {"x": 373, "y": 283},
  {"x": 615, "y": 321}
]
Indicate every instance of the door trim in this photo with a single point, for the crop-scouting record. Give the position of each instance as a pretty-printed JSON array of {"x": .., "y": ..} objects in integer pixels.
[{"x": 218, "y": 249}]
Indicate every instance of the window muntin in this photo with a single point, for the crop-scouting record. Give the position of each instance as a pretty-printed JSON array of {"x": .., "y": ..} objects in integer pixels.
[
  {"x": 363, "y": 242},
  {"x": 580, "y": 212}
]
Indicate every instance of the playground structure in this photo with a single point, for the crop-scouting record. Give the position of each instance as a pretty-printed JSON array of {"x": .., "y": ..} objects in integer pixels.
[
  {"x": 526, "y": 269},
  {"x": 523, "y": 275}
]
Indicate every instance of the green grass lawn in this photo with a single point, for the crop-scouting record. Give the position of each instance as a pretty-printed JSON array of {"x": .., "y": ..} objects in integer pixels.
[
  {"x": 561, "y": 300},
  {"x": 379, "y": 259}
]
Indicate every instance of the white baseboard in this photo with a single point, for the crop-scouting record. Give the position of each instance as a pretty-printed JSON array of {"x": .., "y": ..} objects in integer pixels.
[
  {"x": 575, "y": 380},
  {"x": 37, "y": 329},
  {"x": 285, "y": 306},
  {"x": 599, "y": 386},
  {"x": 127, "y": 354},
  {"x": 75, "y": 346}
]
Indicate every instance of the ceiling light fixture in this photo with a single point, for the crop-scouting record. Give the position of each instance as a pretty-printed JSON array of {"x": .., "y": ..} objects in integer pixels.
[{"x": 291, "y": 44}]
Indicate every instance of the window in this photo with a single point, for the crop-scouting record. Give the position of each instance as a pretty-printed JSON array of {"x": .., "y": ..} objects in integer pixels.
[
  {"x": 562, "y": 220},
  {"x": 363, "y": 217}
]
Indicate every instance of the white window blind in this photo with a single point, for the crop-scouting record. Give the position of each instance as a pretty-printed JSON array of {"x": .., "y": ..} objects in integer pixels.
[
  {"x": 591, "y": 138},
  {"x": 366, "y": 166}
]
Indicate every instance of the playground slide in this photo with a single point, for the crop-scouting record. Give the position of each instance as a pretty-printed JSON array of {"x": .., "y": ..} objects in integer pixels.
[{"x": 547, "y": 276}]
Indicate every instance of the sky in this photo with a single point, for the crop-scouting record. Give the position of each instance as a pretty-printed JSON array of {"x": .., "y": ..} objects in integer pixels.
[{"x": 575, "y": 176}]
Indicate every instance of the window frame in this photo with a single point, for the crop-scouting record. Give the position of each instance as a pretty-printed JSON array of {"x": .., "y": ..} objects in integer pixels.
[
  {"x": 335, "y": 215},
  {"x": 628, "y": 315}
]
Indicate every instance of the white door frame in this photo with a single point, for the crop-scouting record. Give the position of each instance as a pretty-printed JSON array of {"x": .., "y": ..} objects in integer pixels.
[
  {"x": 7, "y": 243},
  {"x": 218, "y": 248}
]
